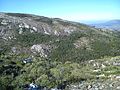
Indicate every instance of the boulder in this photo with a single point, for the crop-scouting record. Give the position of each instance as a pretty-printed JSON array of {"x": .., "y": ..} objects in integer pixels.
[{"x": 41, "y": 49}]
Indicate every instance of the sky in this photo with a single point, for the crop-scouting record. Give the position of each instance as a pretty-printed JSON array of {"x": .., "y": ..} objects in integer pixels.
[{"x": 73, "y": 10}]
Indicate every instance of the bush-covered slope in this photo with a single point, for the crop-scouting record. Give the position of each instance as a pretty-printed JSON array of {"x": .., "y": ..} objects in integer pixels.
[{"x": 52, "y": 52}]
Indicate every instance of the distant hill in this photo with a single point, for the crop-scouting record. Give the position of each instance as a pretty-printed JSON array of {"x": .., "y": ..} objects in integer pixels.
[{"x": 112, "y": 25}]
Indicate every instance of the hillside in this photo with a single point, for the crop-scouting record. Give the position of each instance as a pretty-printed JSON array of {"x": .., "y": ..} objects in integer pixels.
[{"x": 52, "y": 52}]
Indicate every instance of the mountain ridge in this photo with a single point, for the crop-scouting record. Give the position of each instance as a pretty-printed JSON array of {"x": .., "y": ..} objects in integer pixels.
[{"x": 111, "y": 25}]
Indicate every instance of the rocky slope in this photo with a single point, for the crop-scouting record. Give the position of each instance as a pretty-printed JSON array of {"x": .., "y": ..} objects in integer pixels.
[
  {"x": 107, "y": 68},
  {"x": 19, "y": 28},
  {"x": 52, "y": 52},
  {"x": 39, "y": 24}
]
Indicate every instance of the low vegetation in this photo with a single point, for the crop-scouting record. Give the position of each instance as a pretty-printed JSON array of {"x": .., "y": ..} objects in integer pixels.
[{"x": 96, "y": 56}]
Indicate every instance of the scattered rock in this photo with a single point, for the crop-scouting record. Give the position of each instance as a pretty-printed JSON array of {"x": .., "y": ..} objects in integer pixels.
[
  {"x": 117, "y": 77},
  {"x": 27, "y": 60},
  {"x": 35, "y": 29},
  {"x": 116, "y": 63},
  {"x": 118, "y": 87},
  {"x": 42, "y": 49}
]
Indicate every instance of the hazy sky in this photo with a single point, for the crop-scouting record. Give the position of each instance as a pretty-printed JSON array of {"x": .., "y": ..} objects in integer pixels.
[{"x": 66, "y": 9}]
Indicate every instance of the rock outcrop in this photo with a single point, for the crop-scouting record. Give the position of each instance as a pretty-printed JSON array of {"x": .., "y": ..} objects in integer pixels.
[{"x": 41, "y": 49}]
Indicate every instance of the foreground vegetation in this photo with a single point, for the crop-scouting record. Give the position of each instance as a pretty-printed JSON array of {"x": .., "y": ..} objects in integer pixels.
[
  {"x": 50, "y": 74},
  {"x": 65, "y": 65}
]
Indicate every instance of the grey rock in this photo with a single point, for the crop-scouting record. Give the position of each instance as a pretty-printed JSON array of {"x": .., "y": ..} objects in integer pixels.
[{"x": 42, "y": 49}]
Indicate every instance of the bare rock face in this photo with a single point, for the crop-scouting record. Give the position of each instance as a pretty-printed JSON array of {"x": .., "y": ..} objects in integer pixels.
[{"x": 41, "y": 49}]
